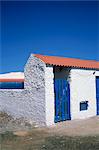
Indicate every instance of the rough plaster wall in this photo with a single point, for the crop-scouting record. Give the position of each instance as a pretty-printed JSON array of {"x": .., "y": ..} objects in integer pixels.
[
  {"x": 16, "y": 102},
  {"x": 49, "y": 95},
  {"x": 82, "y": 88},
  {"x": 35, "y": 84},
  {"x": 29, "y": 102}
]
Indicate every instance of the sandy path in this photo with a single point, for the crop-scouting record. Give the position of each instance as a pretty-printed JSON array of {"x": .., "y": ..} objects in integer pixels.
[{"x": 81, "y": 127}]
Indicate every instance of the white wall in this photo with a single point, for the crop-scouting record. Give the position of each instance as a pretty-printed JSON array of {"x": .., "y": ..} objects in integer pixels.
[
  {"x": 18, "y": 103},
  {"x": 97, "y": 73},
  {"x": 82, "y": 88},
  {"x": 49, "y": 95}
]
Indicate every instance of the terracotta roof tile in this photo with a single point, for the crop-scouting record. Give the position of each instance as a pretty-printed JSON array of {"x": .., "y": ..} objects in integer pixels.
[
  {"x": 68, "y": 62},
  {"x": 11, "y": 80}
]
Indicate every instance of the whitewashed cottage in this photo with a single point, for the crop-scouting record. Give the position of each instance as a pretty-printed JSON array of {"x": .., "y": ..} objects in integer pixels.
[{"x": 54, "y": 89}]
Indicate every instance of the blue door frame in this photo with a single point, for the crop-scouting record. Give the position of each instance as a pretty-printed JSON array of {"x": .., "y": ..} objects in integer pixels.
[
  {"x": 62, "y": 100},
  {"x": 97, "y": 94}
]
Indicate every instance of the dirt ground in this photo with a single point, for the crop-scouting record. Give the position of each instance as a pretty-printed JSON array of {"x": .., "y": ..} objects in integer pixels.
[
  {"x": 83, "y": 127},
  {"x": 67, "y": 135}
]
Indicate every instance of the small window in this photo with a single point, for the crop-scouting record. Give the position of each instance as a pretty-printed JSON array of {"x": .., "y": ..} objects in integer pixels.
[
  {"x": 83, "y": 105},
  {"x": 11, "y": 85}
]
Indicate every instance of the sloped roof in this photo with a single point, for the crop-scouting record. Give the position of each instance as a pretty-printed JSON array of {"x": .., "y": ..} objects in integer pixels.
[{"x": 68, "y": 62}]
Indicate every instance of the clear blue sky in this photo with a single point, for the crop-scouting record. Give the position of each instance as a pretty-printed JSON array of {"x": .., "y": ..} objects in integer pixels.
[{"x": 65, "y": 28}]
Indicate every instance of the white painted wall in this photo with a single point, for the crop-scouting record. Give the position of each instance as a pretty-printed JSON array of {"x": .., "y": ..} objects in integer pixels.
[
  {"x": 97, "y": 73},
  {"x": 49, "y": 95},
  {"x": 82, "y": 88}
]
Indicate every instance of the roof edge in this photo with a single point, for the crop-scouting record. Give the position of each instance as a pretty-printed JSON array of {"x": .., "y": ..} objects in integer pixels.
[{"x": 68, "y": 62}]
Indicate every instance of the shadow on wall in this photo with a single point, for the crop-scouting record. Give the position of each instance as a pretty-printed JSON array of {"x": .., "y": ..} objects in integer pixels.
[{"x": 61, "y": 72}]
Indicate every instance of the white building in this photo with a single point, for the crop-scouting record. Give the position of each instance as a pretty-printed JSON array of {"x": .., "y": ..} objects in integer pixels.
[{"x": 55, "y": 89}]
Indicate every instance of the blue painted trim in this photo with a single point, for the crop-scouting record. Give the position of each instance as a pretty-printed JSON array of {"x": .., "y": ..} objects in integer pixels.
[
  {"x": 11, "y": 85},
  {"x": 69, "y": 101},
  {"x": 62, "y": 100}
]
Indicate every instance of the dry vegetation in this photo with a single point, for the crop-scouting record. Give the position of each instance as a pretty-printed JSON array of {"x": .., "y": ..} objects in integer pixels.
[{"x": 43, "y": 141}]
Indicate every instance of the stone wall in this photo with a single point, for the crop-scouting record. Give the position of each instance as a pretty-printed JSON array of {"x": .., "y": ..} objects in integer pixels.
[
  {"x": 30, "y": 101},
  {"x": 35, "y": 83}
]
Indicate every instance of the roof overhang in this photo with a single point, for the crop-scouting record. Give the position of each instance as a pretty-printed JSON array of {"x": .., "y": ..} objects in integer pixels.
[{"x": 68, "y": 62}]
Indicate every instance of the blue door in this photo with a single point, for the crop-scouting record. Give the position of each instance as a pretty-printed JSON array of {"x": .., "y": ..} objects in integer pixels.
[
  {"x": 62, "y": 100},
  {"x": 97, "y": 94}
]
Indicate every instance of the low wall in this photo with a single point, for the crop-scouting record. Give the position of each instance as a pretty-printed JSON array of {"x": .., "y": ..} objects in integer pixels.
[
  {"x": 17, "y": 103},
  {"x": 30, "y": 101}
]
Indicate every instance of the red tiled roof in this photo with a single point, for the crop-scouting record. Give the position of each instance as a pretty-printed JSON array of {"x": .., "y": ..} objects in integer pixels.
[
  {"x": 68, "y": 62},
  {"x": 11, "y": 80}
]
